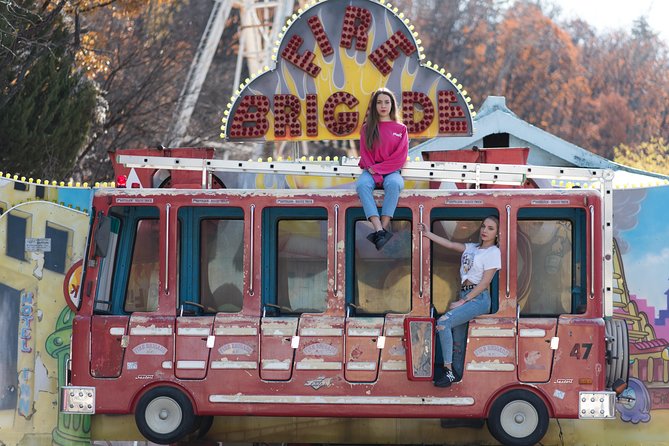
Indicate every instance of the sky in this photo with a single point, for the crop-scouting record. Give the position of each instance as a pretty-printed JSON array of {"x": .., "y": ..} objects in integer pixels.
[{"x": 606, "y": 15}]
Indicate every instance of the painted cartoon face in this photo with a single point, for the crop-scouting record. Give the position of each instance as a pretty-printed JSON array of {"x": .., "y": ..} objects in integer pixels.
[
  {"x": 488, "y": 230},
  {"x": 384, "y": 105}
]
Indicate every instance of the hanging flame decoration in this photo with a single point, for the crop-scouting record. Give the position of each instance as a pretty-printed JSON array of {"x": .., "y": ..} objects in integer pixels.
[{"x": 331, "y": 57}]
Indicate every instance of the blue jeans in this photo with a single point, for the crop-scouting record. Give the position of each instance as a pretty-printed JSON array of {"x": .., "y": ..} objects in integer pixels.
[
  {"x": 393, "y": 183},
  {"x": 454, "y": 321}
]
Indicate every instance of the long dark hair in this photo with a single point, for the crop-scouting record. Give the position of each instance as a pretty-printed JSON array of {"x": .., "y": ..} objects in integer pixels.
[{"x": 372, "y": 120}]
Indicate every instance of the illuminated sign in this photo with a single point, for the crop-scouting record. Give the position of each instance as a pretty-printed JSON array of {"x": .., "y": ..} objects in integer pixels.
[{"x": 331, "y": 57}]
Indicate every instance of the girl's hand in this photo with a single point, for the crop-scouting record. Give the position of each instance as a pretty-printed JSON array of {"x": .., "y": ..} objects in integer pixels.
[
  {"x": 456, "y": 304},
  {"x": 371, "y": 170},
  {"x": 422, "y": 228}
]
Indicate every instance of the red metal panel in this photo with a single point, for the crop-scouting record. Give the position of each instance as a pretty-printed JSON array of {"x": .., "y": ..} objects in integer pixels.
[
  {"x": 150, "y": 350},
  {"x": 362, "y": 352},
  {"x": 535, "y": 356},
  {"x": 393, "y": 354},
  {"x": 236, "y": 346},
  {"x": 106, "y": 351},
  {"x": 276, "y": 350},
  {"x": 191, "y": 350},
  {"x": 490, "y": 357},
  {"x": 321, "y": 345}
]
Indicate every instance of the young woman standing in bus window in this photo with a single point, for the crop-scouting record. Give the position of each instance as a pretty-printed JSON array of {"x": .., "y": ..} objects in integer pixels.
[
  {"x": 384, "y": 145},
  {"x": 478, "y": 265}
]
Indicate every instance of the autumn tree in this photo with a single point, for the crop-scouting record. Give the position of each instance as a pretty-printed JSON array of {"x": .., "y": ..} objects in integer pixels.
[
  {"x": 138, "y": 52},
  {"x": 457, "y": 35},
  {"x": 629, "y": 78}
]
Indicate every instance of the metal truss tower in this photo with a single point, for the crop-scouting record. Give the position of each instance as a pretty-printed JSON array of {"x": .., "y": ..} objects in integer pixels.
[{"x": 260, "y": 25}]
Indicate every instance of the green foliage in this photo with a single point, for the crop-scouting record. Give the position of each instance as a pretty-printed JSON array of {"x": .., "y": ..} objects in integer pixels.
[
  {"x": 46, "y": 110},
  {"x": 652, "y": 155}
]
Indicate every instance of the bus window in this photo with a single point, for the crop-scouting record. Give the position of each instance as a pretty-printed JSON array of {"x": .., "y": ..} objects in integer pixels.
[
  {"x": 142, "y": 291},
  {"x": 445, "y": 276},
  {"x": 211, "y": 259},
  {"x": 221, "y": 276},
  {"x": 129, "y": 283},
  {"x": 297, "y": 280},
  {"x": 551, "y": 273},
  {"x": 379, "y": 282}
]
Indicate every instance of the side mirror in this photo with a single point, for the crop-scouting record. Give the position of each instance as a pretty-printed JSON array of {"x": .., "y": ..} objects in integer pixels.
[
  {"x": 102, "y": 236},
  {"x": 419, "y": 345}
]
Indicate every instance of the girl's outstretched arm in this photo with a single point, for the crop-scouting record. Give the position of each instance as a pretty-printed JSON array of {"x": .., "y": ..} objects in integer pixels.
[{"x": 446, "y": 243}]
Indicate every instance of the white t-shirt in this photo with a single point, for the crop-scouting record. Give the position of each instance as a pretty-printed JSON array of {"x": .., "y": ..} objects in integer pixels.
[{"x": 476, "y": 260}]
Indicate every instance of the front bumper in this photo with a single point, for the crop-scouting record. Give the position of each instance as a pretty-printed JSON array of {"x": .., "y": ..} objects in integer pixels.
[{"x": 77, "y": 400}]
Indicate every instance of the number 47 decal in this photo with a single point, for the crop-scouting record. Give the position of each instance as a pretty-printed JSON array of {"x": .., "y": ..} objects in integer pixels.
[{"x": 581, "y": 351}]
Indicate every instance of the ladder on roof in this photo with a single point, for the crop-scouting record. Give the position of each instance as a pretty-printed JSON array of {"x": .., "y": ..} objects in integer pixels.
[
  {"x": 471, "y": 173},
  {"x": 454, "y": 172}
]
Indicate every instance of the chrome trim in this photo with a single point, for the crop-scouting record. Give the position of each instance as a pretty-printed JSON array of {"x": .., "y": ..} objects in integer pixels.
[
  {"x": 336, "y": 239},
  {"x": 167, "y": 246},
  {"x": 592, "y": 251},
  {"x": 508, "y": 248},
  {"x": 420, "y": 253},
  {"x": 344, "y": 400},
  {"x": 251, "y": 273}
]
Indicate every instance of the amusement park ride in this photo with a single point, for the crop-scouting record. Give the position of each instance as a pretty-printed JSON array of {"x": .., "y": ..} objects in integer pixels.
[{"x": 199, "y": 300}]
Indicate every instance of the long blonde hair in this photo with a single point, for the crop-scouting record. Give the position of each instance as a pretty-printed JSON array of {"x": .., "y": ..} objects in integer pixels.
[{"x": 372, "y": 120}]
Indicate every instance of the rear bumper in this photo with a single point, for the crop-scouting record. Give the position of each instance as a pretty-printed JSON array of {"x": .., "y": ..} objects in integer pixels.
[{"x": 596, "y": 405}]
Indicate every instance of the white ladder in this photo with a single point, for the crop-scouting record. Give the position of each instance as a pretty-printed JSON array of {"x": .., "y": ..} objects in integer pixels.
[{"x": 470, "y": 173}]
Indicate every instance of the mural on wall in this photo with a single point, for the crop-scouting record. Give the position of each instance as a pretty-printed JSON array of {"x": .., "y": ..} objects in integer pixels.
[
  {"x": 43, "y": 232},
  {"x": 642, "y": 242}
]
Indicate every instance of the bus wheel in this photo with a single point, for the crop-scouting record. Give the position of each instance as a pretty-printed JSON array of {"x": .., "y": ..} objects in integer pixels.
[
  {"x": 518, "y": 418},
  {"x": 164, "y": 415}
]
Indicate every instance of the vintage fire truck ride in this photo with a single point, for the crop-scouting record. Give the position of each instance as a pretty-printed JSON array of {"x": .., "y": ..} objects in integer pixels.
[
  {"x": 201, "y": 302},
  {"x": 198, "y": 300}
]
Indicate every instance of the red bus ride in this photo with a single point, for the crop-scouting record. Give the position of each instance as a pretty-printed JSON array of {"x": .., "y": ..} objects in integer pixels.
[{"x": 203, "y": 302}]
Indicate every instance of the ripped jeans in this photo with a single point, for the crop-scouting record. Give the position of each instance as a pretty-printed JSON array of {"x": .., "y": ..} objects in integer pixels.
[{"x": 454, "y": 322}]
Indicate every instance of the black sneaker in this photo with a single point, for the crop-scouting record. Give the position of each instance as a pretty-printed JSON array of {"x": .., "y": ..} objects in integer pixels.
[
  {"x": 373, "y": 236},
  {"x": 382, "y": 238},
  {"x": 447, "y": 379}
]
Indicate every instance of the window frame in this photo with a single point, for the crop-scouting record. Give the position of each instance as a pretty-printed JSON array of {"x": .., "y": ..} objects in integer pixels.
[
  {"x": 26, "y": 219},
  {"x": 51, "y": 258},
  {"x": 123, "y": 255},
  {"x": 443, "y": 213},
  {"x": 578, "y": 219},
  {"x": 271, "y": 216},
  {"x": 353, "y": 216},
  {"x": 190, "y": 220}
]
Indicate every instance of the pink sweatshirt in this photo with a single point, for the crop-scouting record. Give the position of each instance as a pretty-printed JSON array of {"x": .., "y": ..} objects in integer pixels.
[{"x": 390, "y": 152}]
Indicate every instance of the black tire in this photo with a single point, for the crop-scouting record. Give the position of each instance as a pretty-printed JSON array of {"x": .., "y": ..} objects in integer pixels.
[
  {"x": 518, "y": 418},
  {"x": 609, "y": 333},
  {"x": 164, "y": 415},
  {"x": 617, "y": 365},
  {"x": 205, "y": 424}
]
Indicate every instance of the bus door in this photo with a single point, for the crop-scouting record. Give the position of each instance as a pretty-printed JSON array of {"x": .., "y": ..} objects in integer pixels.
[
  {"x": 551, "y": 282},
  {"x": 126, "y": 332},
  {"x": 295, "y": 287},
  {"x": 211, "y": 241},
  {"x": 378, "y": 290}
]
